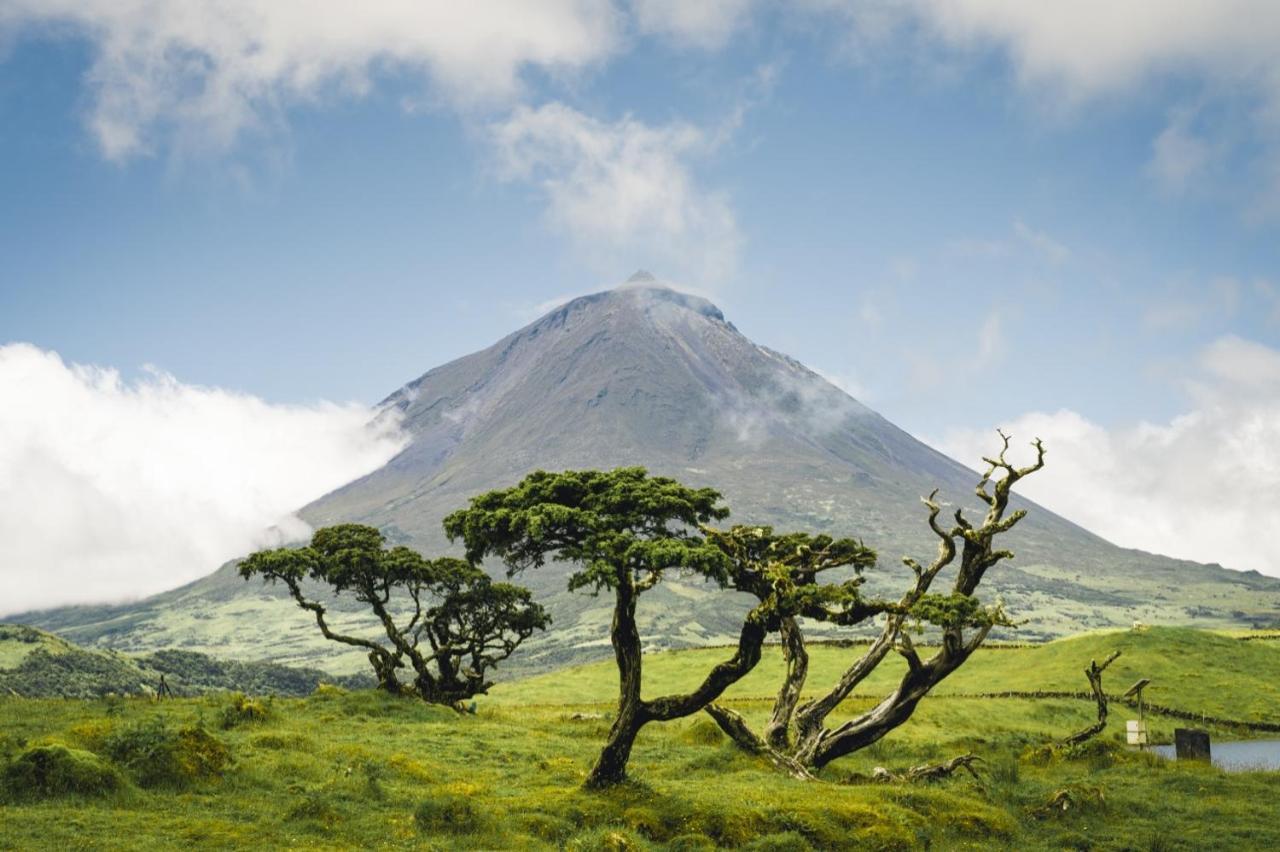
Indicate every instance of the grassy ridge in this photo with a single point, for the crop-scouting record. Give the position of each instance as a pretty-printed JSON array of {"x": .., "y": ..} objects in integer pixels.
[
  {"x": 362, "y": 770},
  {"x": 37, "y": 664},
  {"x": 1189, "y": 669}
]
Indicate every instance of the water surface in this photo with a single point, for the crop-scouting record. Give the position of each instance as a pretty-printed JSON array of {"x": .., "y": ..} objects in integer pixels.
[{"x": 1239, "y": 756}]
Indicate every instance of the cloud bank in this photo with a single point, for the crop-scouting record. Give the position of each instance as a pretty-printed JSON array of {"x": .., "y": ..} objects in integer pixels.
[
  {"x": 111, "y": 489},
  {"x": 1202, "y": 486}
]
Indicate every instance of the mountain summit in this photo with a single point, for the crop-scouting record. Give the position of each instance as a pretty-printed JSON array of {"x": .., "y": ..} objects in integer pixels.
[{"x": 646, "y": 375}]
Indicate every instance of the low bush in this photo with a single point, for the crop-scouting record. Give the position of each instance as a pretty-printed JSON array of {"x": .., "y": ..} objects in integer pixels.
[
  {"x": 159, "y": 756},
  {"x": 52, "y": 771},
  {"x": 241, "y": 709}
]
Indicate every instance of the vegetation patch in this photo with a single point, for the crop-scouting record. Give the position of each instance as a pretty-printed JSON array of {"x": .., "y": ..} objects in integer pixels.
[
  {"x": 53, "y": 771},
  {"x": 157, "y": 755},
  {"x": 240, "y": 709},
  {"x": 449, "y": 813}
]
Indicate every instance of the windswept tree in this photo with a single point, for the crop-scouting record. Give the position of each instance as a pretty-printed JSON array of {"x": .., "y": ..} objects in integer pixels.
[
  {"x": 797, "y": 736},
  {"x": 443, "y": 617},
  {"x": 624, "y": 530}
]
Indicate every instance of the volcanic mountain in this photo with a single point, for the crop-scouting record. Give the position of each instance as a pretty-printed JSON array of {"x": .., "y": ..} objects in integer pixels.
[{"x": 644, "y": 375}]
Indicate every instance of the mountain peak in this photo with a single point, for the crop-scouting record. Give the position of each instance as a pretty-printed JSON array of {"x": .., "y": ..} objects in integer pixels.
[{"x": 641, "y": 276}]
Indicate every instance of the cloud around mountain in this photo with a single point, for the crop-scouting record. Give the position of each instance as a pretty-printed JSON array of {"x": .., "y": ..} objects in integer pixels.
[
  {"x": 1202, "y": 486},
  {"x": 111, "y": 489}
]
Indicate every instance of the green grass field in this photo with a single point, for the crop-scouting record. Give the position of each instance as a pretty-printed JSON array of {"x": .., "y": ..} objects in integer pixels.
[{"x": 361, "y": 770}]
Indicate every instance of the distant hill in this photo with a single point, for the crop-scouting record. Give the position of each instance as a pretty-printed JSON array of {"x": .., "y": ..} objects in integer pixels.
[
  {"x": 37, "y": 664},
  {"x": 644, "y": 375}
]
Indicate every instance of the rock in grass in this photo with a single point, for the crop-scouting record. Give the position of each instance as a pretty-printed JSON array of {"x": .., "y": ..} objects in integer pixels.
[{"x": 52, "y": 771}]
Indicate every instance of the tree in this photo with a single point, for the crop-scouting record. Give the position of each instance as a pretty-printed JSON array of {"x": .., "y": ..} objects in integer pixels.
[
  {"x": 624, "y": 530},
  {"x": 796, "y": 737},
  {"x": 459, "y": 624}
]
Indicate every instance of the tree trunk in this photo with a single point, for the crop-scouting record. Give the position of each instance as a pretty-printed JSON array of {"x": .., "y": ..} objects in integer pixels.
[
  {"x": 777, "y": 731},
  {"x": 611, "y": 766},
  {"x": 1094, "y": 674},
  {"x": 736, "y": 727}
]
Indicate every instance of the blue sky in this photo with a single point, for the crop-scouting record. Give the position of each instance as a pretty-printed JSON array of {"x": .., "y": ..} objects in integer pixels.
[{"x": 968, "y": 213}]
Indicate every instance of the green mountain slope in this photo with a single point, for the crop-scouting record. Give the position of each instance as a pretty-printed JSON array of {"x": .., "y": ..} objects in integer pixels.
[
  {"x": 38, "y": 664},
  {"x": 643, "y": 375}
]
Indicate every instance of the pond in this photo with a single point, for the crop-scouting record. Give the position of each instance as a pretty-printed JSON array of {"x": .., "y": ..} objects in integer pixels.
[{"x": 1240, "y": 756}]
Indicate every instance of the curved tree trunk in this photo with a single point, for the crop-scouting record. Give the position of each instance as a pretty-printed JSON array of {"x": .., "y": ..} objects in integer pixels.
[
  {"x": 777, "y": 732},
  {"x": 611, "y": 766},
  {"x": 1094, "y": 674}
]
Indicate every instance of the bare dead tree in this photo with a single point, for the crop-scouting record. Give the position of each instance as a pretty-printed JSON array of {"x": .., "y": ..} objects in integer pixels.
[
  {"x": 796, "y": 737},
  {"x": 1094, "y": 674}
]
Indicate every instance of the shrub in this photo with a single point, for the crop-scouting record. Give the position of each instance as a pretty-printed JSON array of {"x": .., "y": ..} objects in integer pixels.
[
  {"x": 241, "y": 709},
  {"x": 450, "y": 813},
  {"x": 50, "y": 771},
  {"x": 159, "y": 756},
  {"x": 328, "y": 690}
]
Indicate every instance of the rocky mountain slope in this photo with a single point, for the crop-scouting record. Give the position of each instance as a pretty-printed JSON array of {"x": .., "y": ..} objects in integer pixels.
[{"x": 644, "y": 375}]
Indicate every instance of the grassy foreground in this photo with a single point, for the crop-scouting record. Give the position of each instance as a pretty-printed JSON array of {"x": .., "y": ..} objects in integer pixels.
[{"x": 361, "y": 770}]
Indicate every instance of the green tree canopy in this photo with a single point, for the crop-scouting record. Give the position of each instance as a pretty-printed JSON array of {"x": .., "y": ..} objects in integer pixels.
[
  {"x": 444, "y": 617},
  {"x": 623, "y": 530}
]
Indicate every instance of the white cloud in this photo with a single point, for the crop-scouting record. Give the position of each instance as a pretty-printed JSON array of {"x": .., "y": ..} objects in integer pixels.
[
  {"x": 1091, "y": 47},
  {"x": 623, "y": 191},
  {"x": 990, "y": 340},
  {"x": 1066, "y": 54},
  {"x": 198, "y": 73},
  {"x": 1046, "y": 245},
  {"x": 1202, "y": 486},
  {"x": 111, "y": 489},
  {"x": 706, "y": 24},
  {"x": 1178, "y": 155}
]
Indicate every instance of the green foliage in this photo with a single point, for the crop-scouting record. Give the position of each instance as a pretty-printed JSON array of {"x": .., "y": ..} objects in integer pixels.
[
  {"x": 600, "y": 521},
  {"x": 157, "y": 755},
  {"x": 240, "y": 709},
  {"x": 53, "y": 771},
  {"x": 457, "y": 625}
]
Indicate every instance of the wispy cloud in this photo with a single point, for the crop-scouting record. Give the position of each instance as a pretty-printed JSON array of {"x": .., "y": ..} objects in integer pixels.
[
  {"x": 706, "y": 24},
  {"x": 1046, "y": 245},
  {"x": 199, "y": 75},
  {"x": 112, "y": 489},
  {"x": 623, "y": 191},
  {"x": 1070, "y": 54},
  {"x": 1199, "y": 486}
]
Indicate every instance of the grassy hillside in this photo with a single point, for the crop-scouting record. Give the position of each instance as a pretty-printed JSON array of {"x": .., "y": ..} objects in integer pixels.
[
  {"x": 1189, "y": 669},
  {"x": 34, "y": 663},
  {"x": 362, "y": 770}
]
